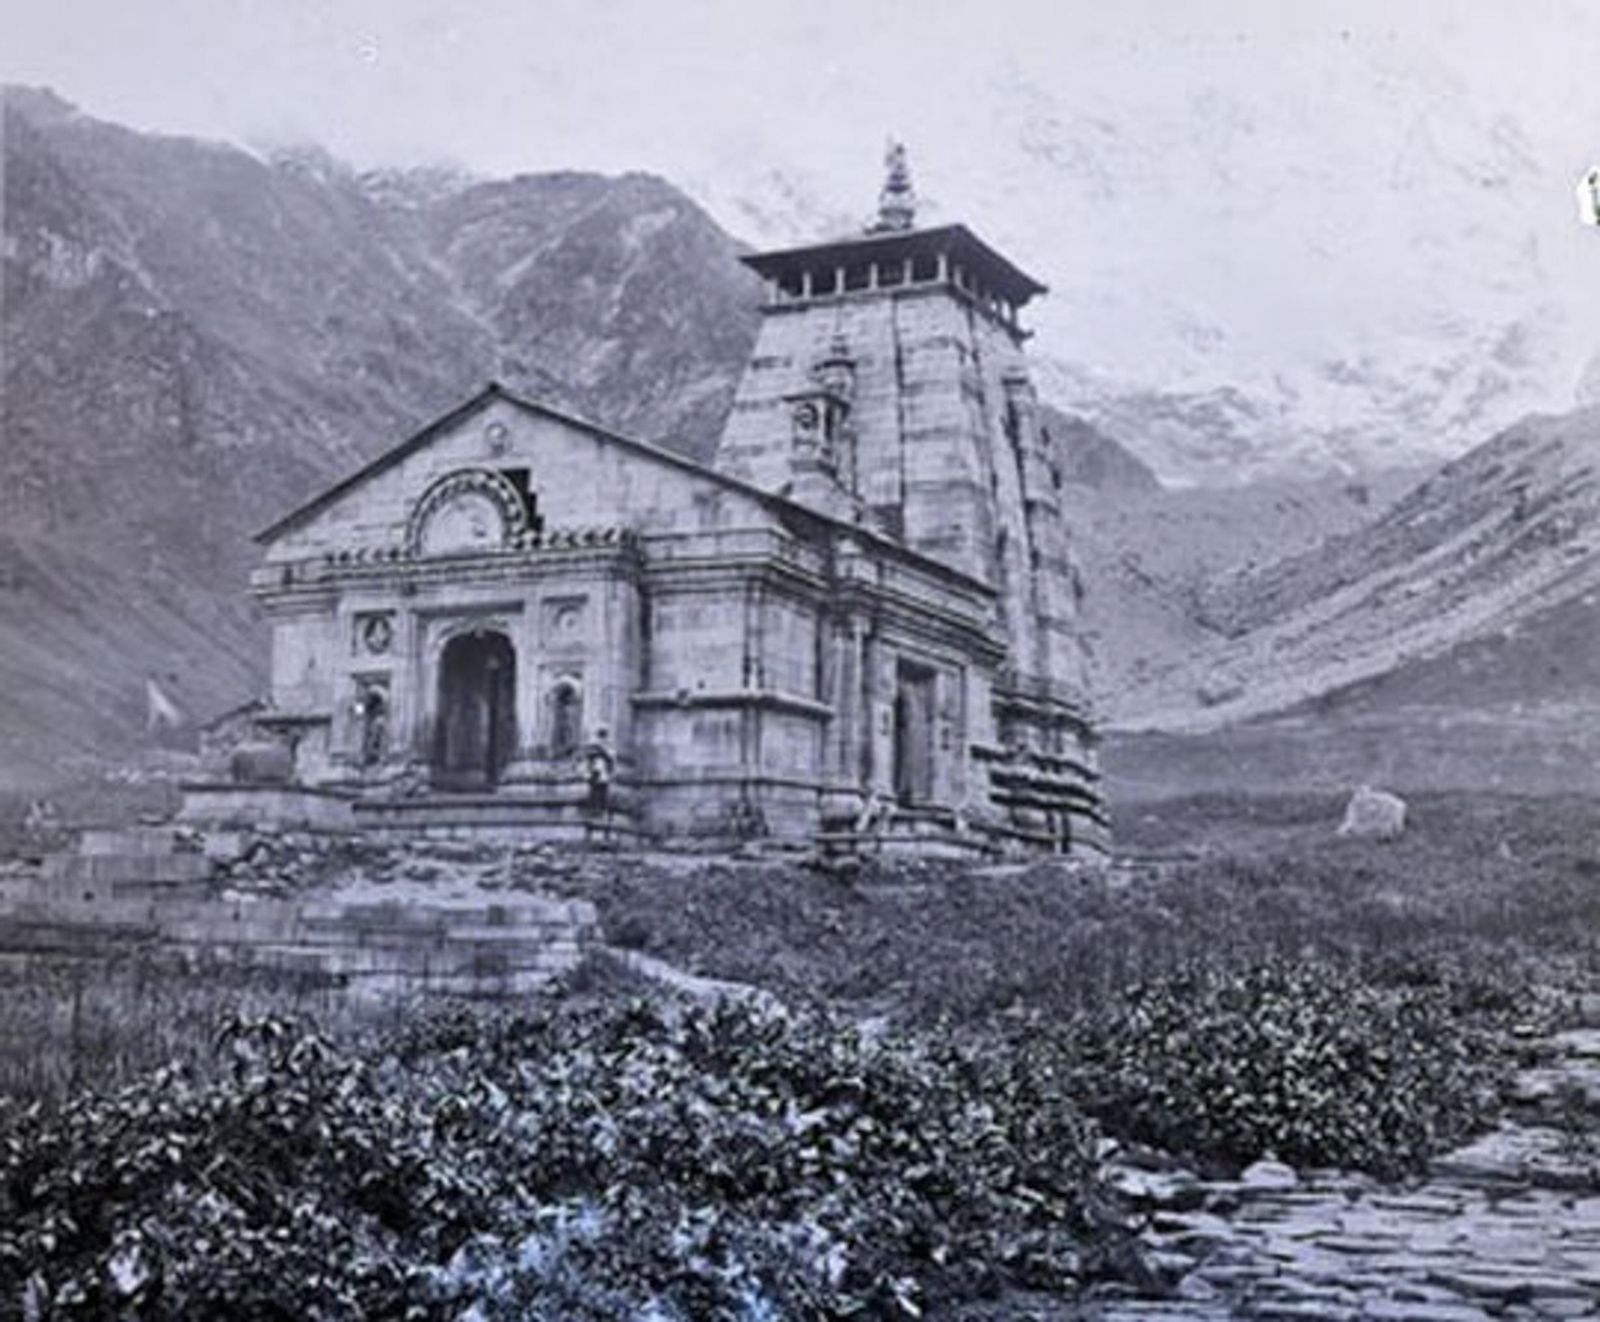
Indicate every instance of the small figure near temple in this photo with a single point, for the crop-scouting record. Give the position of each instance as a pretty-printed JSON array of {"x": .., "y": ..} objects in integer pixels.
[{"x": 599, "y": 764}]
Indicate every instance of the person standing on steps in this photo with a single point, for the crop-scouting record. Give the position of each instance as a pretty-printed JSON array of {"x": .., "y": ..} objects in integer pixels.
[{"x": 598, "y": 762}]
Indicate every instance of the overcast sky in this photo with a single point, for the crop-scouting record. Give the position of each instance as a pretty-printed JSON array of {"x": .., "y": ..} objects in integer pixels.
[
  {"x": 1216, "y": 192},
  {"x": 693, "y": 88}
]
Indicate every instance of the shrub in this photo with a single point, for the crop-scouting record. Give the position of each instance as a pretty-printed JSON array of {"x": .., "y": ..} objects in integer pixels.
[
  {"x": 600, "y": 1162},
  {"x": 1304, "y": 1060}
]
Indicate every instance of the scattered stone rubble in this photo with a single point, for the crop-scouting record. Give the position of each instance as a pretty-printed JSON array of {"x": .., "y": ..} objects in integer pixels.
[
  {"x": 279, "y": 864},
  {"x": 1505, "y": 1227}
]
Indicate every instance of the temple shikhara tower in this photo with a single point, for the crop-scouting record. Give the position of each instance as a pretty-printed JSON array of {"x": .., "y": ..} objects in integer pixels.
[{"x": 859, "y": 623}]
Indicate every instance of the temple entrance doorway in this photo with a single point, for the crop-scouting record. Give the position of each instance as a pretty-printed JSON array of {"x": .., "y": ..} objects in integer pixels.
[
  {"x": 913, "y": 734},
  {"x": 476, "y": 731}
]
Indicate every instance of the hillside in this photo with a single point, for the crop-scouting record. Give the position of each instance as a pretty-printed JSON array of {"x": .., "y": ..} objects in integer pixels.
[
  {"x": 1273, "y": 248},
  {"x": 1152, "y": 556},
  {"x": 196, "y": 338},
  {"x": 1472, "y": 596}
]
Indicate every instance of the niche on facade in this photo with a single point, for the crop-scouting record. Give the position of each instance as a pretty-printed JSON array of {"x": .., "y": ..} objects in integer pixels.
[
  {"x": 915, "y": 748},
  {"x": 372, "y": 719},
  {"x": 373, "y": 633},
  {"x": 563, "y": 714}
]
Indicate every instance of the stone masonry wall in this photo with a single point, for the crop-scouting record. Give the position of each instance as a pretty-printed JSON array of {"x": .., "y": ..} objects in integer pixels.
[{"x": 395, "y": 922}]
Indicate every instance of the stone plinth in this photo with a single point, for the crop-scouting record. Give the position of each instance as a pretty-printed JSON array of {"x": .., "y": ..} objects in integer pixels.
[{"x": 295, "y": 806}]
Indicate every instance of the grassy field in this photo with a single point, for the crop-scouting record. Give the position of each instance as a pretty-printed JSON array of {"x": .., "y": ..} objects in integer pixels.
[
  {"x": 86, "y": 1025},
  {"x": 1513, "y": 746},
  {"x": 1506, "y": 883}
]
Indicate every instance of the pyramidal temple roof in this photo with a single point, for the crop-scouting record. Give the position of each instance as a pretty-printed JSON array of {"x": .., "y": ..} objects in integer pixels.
[{"x": 894, "y": 237}]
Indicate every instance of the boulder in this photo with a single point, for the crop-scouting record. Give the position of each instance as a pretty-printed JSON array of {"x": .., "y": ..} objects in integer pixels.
[
  {"x": 1374, "y": 815},
  {"x": 1268, "y": 1175}
]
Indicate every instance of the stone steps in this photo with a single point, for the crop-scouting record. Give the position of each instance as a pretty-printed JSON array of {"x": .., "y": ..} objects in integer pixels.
[{"x": 493, "y": 818}]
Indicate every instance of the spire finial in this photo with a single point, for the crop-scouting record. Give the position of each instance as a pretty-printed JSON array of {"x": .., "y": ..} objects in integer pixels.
[{"x": 897, "y": 203}]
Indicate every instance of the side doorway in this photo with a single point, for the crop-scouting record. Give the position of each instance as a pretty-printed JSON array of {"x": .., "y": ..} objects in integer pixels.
[{"x": 913, "y": 733}]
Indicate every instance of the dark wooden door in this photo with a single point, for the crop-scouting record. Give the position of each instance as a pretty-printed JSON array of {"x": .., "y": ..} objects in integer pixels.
[{"x": 476, "y": 732}]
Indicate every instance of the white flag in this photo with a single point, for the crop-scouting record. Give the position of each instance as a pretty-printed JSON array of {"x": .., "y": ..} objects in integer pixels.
[
  {"x": 161, "y": 711},
  {"x": 1589, "y": 197}
]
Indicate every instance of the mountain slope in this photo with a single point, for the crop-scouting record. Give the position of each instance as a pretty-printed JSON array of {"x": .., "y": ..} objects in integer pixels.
[
  {"x": 620, "y": 287},
  {"x": 1441, "y": 585},
  {"x": 1092, "y": 459},
  {"x": 1269, "y": 250},
  {"x": 195, "y": 339}
]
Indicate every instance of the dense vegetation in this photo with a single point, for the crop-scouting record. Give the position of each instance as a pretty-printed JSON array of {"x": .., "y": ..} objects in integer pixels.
[
  {"x": 580, "y": 1162},
  {"x": 923, "y": 1126},
  {"x": 1330, "y": 1002},
  {"x": 1491, "y": 889},
  {"x": 1304, "y": 1060}
]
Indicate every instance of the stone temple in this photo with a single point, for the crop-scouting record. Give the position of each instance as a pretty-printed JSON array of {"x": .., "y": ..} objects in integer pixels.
[{"x": 858, "y": 622}]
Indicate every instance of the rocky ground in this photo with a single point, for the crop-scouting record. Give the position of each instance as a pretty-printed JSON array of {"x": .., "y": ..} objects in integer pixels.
[{"x": 1506, "y": 1227}]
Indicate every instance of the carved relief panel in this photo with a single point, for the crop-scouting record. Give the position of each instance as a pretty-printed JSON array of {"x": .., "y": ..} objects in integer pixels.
[
  {"x": 564, "y": 622},
  {"x": 374, "y": 633}
]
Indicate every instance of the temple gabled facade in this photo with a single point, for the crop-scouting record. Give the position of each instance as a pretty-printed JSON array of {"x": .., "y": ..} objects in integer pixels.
[{"x": 858, "y": 621}]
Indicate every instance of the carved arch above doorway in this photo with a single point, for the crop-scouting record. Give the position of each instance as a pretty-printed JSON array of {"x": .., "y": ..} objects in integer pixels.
[{"x": 466, "y": 512}]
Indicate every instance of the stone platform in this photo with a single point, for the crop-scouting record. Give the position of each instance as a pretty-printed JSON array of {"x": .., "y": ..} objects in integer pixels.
[
  {"x": 297, "y": 807},
  {"x": 492, "y": 818},
  {"x": 174, "y": 895}
]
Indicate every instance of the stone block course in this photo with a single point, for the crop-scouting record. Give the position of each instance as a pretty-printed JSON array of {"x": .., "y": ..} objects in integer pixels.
[{"x": 430, "y": 937}]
